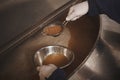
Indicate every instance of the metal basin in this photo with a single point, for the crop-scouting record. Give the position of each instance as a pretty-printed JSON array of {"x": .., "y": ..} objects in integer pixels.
[
  {"x": 17, "y": 58},
  {"x": 57, "y": 55}
]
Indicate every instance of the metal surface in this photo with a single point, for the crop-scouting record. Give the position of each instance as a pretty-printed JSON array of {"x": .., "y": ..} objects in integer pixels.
[
  {"x": 17, "y": 16},
  {"x": 42, "y": 53},
  {"x": 65, "y": 23},
  {"x": 26, "y": 33},
  {"x": 103, "y": 63},
  {"x": 17, "y": 61}
]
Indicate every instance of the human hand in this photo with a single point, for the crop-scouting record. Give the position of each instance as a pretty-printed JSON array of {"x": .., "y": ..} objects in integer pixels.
[
  {"x": 77, "y": 11},
  {"x": 46, "y": 70}
]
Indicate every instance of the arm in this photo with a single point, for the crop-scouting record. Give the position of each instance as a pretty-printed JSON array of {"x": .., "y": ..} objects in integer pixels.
[
  {"x": 109, "y": 7},
  {"x": 58, "y": 74},
  {"x": 50, "y": 72},
  {"x": 95, "y": 7}
]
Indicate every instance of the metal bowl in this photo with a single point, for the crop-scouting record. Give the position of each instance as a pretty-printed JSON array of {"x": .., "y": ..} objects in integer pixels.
[{"x": 57, "y": 55}]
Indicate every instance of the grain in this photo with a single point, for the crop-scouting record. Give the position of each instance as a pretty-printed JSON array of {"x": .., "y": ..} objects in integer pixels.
[{"x": 52, "y": 30}]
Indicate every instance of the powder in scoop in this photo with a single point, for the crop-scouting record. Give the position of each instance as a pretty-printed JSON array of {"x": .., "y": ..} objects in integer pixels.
[{"x": 52, "y": 30}]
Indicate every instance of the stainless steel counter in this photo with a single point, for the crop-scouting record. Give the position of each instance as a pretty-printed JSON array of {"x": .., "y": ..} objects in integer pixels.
[{"x": 17, "y": 16}]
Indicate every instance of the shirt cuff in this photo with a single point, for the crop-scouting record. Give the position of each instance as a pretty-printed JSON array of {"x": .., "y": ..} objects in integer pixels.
[
  {"x": 58, "y": 74},
  {"x": 93, "y": 8}
]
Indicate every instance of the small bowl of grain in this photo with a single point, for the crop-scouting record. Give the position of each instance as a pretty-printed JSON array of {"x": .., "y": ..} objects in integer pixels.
[
  {"x": 53, "y": 29},
  {"x": 57, "y": 55}
]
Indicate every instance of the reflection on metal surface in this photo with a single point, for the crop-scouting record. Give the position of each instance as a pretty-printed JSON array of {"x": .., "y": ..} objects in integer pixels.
[
  {"x": 20, "y": 60},
  {"x": 55, "y": 3},
  {"x": 16, "y": 61},
  {"x": 103, "y": 63},
  {"x": 17, "y": 16}
]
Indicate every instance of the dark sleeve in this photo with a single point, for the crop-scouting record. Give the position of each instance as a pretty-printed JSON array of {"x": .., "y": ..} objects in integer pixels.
[
  {"x": 108, "y": 7},
  {"x": 58, "y": 74}
]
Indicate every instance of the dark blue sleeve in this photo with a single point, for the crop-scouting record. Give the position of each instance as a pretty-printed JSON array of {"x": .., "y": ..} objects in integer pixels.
[
  {"x": 58, "y": 74},
  {"x": 108, "y": 7}
]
